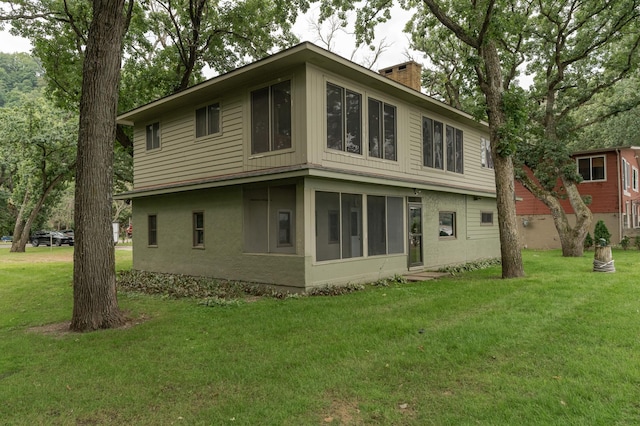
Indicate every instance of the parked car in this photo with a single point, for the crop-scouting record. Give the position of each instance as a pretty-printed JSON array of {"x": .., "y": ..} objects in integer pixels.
[
  {"x": 68, "y": 232},
  {"x": 6, "y": 238},
  {"x": 48, "y": 237}
]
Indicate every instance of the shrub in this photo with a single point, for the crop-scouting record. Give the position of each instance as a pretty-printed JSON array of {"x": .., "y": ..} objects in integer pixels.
[
  {"x": 636, "y": 242},
  {"x": 625, "y": 242},
  {"x": 588, "y": 241},
  {"x": 602, "y": 233}
]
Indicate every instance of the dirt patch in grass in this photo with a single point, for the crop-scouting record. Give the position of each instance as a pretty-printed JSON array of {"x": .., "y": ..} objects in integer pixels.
[
  {"x": 61, "y": 329},
  {"x": 344, "y": 413}
]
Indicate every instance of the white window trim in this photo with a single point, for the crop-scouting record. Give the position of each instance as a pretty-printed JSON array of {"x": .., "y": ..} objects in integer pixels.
[
  {"x": 591, "y": 157},
  {"x": 195, "y": 121},
  {"x": 634, "y": 178}
]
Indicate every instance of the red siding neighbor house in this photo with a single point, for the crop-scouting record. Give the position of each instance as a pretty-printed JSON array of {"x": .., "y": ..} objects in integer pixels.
[{"x": 610, "y": 177}]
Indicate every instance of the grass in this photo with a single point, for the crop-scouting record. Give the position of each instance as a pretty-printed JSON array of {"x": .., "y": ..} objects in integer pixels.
[{"x": 560, "y": 346}]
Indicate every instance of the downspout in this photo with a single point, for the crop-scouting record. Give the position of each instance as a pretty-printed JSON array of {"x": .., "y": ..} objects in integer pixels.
[{"x": 619, "y": 192}]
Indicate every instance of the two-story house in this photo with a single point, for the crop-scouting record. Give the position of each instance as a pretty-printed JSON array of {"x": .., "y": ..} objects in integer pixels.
[
  {"x": 304, "y": 169},
  {"x": 609, "y": 180}
]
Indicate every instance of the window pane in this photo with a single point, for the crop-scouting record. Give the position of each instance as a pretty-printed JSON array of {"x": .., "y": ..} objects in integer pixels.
[
  {"x": 395, "y": 224},
  {"x": 354, "y": 123},
  {"x": 584, "y": 168},
  {"x": 438, "y": 160},
  {"x": 213, "y": 112},
  {"x": 451, "y": 149},
  {"x": 284, "y": 228},
  {"x": 201, "y": 122},
  {"x": 334, "y": 116},
  {"x": 153, "y": 136},
  {"x": 447, "y": 224},
  {"x": 389, "y": 132},
  {"x": 597, "y": 164},
  {"x": 198, "y": 229},
  {"x": 327, "y": 214},
  {"x": 260, "y": 121},
  {"x": 375, "y": 148},
  {"x": 152, "y": 224},
  {"x": 427, "y": 141},
  {"x": 376, "y": 228},
  {"x": 351, "y": 225},
  {"x": 281, "y": 110},
  {"x": 459, "y": 151},
  {"x": 486, "y": 218},
  {"x": 256, "y": 226}
]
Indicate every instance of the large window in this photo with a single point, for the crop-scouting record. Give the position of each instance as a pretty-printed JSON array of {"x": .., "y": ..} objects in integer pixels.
[
  {"x": 338, "y": 225},
  {"x": 432, "y": 143},
  {"x": 344, "y": 119},
  {"x": 208, "y": 120},
  {"x": 198, "y": 229},
  {"x": 382, "y": 130},
  {"x": 271, "y": 118},
  {"x": 153, "y": 136},
  {"x": 447, "y": 224},
  {"x": 434, "y": 149},
  {"x": 152, "y": 230},
  {"x": 591, "y": 168}
]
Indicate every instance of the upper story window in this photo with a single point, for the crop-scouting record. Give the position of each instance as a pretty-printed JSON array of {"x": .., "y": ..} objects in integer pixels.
[
  {"x": 382, "y": 130},
  {"x": 271, "y": 118},
  {"x": 344, "y": 119},
  {"x": 434, "y": 150},
  {"x": 485, "y": 153},
  {"x": 208, "y": 120},
  {"x": 153, "y": 136},
  {"x": 634, "y": 179},
  {"x": 432, "y": 143},
  {"x": 626, "y": 174},
  {"x": 454, "y": 150},
  {"x": 591, "y": 168}
]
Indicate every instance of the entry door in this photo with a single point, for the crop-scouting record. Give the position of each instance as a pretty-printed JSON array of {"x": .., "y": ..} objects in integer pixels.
[{"x": 415, "y": 235}]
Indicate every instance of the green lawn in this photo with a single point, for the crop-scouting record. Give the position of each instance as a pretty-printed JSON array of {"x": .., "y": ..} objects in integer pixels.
[{"x": 561, "y": 347}]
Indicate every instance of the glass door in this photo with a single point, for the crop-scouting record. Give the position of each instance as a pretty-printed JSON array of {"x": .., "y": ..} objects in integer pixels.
[{"x": 415, "y": 235}]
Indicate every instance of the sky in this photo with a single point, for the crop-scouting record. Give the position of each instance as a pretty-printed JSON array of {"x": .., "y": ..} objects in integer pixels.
[{"x": 396, "y": 42}]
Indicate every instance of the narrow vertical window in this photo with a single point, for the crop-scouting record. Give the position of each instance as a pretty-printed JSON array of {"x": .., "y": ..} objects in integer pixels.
[
  {"x": 382, "y": 130},
  {"x": 198, "y": 229},
  {"x": 335, "y": 119},
  {"x": 152, "y": 227},
  {"x": 284, "y": 228},
  {"x": 485, "y": 153},
  {"x": 454, "y": 150},
  {"x": 153, "y": 136}
]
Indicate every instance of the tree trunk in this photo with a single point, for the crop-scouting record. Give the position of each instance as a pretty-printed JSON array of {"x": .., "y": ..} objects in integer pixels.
[
  {"x": 19, "y": 243},
  {"x": 95, "y": 303},
  {"x": 511, "y": 255},
  {"x": 603, "y": 259}
]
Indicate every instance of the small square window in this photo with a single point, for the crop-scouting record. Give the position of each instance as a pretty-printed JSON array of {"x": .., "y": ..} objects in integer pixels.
[{"x": 486, "y": 218}]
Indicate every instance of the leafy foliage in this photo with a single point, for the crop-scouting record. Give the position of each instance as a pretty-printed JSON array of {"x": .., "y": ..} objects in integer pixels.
[
  {"x": 588, "y": 241},
  {"x": 625, "y": 242},
  {"x": 471, "y": 266},
  {"x": 601, "y": 233}
]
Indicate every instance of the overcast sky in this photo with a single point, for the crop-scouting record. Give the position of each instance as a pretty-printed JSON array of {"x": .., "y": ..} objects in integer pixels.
[{"x": 395, "y": 52}]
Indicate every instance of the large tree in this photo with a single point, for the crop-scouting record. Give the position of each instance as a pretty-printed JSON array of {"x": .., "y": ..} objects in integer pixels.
[
  {"x": 94, "y": 284},
  {"x": 581, "y": 49},
  {"x": 38, "y": 146}
]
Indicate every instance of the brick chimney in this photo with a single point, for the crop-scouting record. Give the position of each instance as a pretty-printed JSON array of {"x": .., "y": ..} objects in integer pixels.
[{"x": 408, "y": 73}]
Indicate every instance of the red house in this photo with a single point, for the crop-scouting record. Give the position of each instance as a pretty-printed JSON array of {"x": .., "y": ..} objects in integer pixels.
[{"x": 610, "y": 177}]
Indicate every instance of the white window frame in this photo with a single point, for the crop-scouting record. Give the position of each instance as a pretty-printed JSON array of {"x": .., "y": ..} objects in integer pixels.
[
  {"x": 634, "y": 178},
  {"x": 208, "y": 131},
  {"x": 153, "y": 130},
  {"x": 590, "y": 158}
]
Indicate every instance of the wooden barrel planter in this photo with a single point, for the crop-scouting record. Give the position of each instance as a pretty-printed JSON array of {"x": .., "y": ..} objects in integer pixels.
[{"x": 603, "y": 259}]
